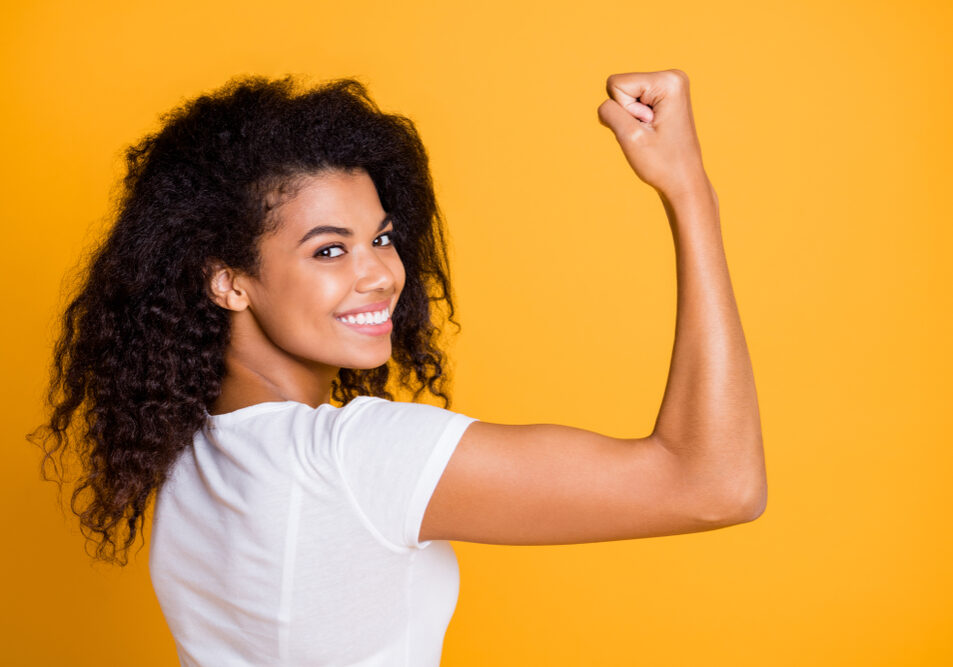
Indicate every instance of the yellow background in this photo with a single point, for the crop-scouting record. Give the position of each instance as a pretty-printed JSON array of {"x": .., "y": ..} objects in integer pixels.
[{"x": 826, "y": 130}]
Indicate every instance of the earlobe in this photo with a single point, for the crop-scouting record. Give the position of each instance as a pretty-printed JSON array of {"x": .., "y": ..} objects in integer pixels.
[{"x": 223, "y": 288}]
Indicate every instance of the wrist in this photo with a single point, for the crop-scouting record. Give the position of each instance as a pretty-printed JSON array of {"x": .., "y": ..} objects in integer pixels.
[
  {"x": 692, "y": 205},
  {"x": 690, "y": 191}
]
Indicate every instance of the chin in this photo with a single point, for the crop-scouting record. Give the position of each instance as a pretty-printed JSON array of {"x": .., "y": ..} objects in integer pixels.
[
  {"x": 368, "y": 364},
  {"x": 365, "y": 367}
]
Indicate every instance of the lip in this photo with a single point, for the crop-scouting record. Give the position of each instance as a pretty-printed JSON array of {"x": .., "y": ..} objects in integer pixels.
[{"x": 371, "y": 307}]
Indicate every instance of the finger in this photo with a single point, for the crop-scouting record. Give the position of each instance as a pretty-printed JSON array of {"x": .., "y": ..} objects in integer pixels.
[
  {"x": 617, "y": 119},
  {"x": 626, "y": 88},
  {"x": 646, "y": 88},
  {"x": 641, "y": 111}
]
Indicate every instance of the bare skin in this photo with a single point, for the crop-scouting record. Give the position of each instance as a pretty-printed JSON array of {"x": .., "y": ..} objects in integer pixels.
[
  {"x": 701, "y": 468},
  {"x": 703, "y": 465},
  {"x": 286, "y": 343}
]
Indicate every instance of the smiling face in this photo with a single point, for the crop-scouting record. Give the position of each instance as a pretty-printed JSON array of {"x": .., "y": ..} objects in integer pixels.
[{"x": 331, "y": 255}]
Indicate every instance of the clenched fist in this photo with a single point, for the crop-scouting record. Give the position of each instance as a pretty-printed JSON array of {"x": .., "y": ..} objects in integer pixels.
[{"x": 650, "y": 114}]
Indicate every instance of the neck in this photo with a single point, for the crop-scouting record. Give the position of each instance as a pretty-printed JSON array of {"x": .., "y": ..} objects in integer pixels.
[{"x": 257, "y": 371}]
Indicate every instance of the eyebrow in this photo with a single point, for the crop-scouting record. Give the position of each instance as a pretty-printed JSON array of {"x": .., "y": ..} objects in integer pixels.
[{"x": 341, "y": 231}]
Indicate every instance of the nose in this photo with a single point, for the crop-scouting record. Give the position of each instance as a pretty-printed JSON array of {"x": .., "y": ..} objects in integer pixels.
[{"x": 373, "y": 274}]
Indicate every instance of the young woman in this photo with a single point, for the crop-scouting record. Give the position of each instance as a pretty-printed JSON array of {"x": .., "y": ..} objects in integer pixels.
[{"x": 276, "y": 249}]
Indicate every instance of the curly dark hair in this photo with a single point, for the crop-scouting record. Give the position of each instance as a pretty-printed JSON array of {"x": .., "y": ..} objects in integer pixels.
[{"x": 141, "y": 352}]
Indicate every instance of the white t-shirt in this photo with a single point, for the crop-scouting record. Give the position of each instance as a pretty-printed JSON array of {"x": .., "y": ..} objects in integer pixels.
[{"x": 288, "y": 535}]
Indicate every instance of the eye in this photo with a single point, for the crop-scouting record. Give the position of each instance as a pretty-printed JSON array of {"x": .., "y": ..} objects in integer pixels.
[
  {"x": 385, "y": 235},
  {"x": 325, "y": 252}
]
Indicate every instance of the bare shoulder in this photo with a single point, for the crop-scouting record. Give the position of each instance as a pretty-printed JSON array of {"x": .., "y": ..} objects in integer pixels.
[{"x": 553, "y": 484}]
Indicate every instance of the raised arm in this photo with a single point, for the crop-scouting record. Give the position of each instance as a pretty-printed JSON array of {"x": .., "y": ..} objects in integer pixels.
[{"x": 703, "y": 465}]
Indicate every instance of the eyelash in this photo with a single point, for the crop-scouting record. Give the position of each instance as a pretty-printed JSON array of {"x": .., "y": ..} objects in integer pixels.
[{"x": 318, "y": 255}]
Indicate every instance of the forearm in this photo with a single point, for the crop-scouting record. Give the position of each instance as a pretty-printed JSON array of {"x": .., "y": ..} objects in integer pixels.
[{"x": 709, "y": 414}]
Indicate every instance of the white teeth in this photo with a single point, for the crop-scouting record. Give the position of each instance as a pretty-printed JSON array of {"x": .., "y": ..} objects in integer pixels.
[{"x": 369, "y": 317}]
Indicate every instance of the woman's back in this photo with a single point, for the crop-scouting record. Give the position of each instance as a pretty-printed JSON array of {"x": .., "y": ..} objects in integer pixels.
[{"x": 289, "y": 532}]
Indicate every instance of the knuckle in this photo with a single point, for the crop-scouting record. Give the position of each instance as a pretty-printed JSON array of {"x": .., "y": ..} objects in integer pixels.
[
  {"x": 677, "y": 76},
  {"x": 603, "y": 109},
  {"x": 633, "y": 135}
]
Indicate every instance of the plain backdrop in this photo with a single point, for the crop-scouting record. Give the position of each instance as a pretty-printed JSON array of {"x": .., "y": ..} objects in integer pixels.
[{"x": 825, "y": 129}]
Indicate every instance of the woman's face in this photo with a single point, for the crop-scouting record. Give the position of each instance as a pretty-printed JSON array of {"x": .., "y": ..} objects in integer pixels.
[{"x": 331, "y": 256}]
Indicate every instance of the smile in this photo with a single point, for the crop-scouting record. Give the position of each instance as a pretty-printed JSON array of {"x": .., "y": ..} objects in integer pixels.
[
  {"x": 370, "y": 323},
  {"x": 368, "y": 318}
]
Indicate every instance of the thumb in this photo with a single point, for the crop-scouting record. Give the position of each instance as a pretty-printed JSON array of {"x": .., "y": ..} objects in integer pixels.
[{"x": 621, "y": 121}]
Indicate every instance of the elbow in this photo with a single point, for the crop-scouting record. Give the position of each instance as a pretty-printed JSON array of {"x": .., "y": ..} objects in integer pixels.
[
  {"x": 754, "y": 507},
  {"x": 747, "y": 495},
  {"x": 748, "y": 501},
  {"x": 732, "y": 492},
  {"x": 740, "y": 503}
]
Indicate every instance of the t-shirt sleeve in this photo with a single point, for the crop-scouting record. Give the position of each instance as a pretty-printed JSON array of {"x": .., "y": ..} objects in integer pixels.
[{"x": 390, "y": 456}]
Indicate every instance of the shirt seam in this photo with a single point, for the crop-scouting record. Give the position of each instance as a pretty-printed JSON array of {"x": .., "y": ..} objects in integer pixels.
[
  {"x": 352, "y": 500},
  {"x": 258, "y": 409},
  {"x": 408, "y": 596},
  {"x": 439, "y": 455},
  {"x": 293, "y": 523}
]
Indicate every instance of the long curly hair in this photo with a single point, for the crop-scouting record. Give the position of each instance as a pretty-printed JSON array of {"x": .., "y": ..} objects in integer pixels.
[{"x": 140, "y": 356}]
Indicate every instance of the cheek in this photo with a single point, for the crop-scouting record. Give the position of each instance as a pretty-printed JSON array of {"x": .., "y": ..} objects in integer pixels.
[
  {"x": 304, "y": 298},
  {"x": 397, "y": 269},
  {"x": 326, "y": 295}
]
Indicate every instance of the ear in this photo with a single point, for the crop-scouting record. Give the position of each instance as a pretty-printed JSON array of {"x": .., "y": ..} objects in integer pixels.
[{"x": 224, "y": 286}]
